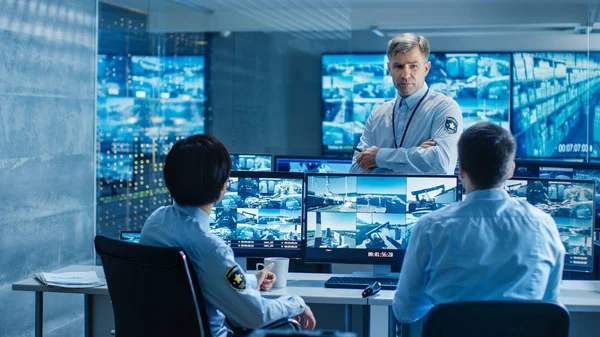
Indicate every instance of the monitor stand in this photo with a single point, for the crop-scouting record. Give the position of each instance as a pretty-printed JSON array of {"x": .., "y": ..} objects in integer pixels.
[{"x": 379, "y": 270}]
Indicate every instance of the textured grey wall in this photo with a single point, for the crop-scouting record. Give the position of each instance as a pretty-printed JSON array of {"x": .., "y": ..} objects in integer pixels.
[
  {"x": 47, "y": 99},
  {"x": 265, "y": 91}
]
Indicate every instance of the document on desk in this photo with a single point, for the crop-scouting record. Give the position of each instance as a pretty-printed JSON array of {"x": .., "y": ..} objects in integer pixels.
[{"x": 87, "y": 279}]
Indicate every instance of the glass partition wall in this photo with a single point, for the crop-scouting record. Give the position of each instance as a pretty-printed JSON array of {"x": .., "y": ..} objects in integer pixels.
[{"x": 300, "y": 78}]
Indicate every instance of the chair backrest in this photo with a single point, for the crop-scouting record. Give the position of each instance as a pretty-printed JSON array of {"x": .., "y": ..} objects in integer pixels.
[
  {"x": 497, "y": 319},
  {"x": 154, "y": 290}
]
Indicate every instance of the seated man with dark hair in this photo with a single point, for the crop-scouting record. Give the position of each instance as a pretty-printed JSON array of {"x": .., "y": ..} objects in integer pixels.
[
  {"x": 488, "y": 247},
  {"x": 196, "y": 173}
]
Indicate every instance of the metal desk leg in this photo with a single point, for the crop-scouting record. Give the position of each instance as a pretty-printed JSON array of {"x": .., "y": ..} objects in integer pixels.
[
  {"x": 87, "y": 315},
  {"x": 379, "y": 324},
  {"x": 347, "y": 317},
  {"x": 39, "y": 314}
]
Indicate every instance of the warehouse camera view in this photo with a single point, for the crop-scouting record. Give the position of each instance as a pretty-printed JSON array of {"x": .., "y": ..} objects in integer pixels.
[
  {"x": 370, "y": 212},
  {"x": 353, "y": 85},
  {"x": 260, "y": 213},
  {"x": 556, "y": 104},
  {"x": 145, "y": 104},
  {"x": 571, "y": 205}
]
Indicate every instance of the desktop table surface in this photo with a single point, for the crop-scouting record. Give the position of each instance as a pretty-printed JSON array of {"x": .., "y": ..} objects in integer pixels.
[
  {"x": 577, "y": 296},
  {"x": 310, "y": 286}
]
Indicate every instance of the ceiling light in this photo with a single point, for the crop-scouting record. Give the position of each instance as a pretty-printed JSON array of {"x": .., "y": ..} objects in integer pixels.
[{"x": 375, "y": 30}]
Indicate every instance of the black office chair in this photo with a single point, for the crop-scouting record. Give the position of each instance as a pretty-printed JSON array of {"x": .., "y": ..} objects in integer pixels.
[
  {"x": 497, "y": 318},
  {"x": 154, "y": 291}
]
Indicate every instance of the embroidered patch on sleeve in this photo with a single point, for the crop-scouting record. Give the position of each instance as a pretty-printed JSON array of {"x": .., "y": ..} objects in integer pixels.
[
  {"x": 451, "y": 125},
  {"x": 235, "y": 277}
]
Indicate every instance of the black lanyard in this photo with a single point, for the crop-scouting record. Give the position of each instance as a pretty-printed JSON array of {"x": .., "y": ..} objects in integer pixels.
[{"x": 409, "y": 120}]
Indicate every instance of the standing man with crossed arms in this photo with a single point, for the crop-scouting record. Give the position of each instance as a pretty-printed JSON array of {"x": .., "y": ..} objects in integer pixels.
[{"x": 416, "y": 133}]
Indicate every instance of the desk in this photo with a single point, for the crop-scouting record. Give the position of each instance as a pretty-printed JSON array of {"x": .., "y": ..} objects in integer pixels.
[
  {"x": 578, "y": 296},
  {"x": 307, "y": 285}
]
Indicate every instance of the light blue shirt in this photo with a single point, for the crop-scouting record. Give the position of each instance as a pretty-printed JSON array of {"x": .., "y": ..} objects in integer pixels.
[
  {"x": 438, "y": 117},
  {"x": 188, "y": 228},
  {"x": 488, "y": 247}
]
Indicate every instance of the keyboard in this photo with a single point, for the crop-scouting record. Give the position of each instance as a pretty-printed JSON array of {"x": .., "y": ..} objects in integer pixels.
[{"x": 387, "y": 283}]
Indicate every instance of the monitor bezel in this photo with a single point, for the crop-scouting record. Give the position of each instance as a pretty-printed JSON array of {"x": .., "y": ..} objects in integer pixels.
[
  {"x": 356, "y": 256},
  {"x": 274, "y": 252},
  {"x": 570, "y": 181}
]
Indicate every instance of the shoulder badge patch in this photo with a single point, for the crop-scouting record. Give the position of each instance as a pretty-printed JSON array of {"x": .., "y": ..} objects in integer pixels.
[
  {"x": 451, "y": 125},
  {"x": 236, "y": 278}
]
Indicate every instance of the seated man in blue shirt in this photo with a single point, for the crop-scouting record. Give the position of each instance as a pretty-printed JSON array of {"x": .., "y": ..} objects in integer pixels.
[
  {"x": 196, "y": 173},
  {"x": 488, "y": 247}
]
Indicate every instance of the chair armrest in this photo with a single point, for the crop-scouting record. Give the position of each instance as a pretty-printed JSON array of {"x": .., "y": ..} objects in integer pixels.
[{"x": 294, "y": 324}]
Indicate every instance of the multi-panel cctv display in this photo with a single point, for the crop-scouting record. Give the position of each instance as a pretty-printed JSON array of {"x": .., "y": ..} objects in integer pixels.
[
  {"x": 312, "y": 165},
  {"x": 369, "y": 219},
  {"x": 571, "y": 205},
  {"x": 550, "y": 113},
  {"x": 261, "y": 214},
  {"x": 353, "y": 85},
  {"x": 570, "y": 171},
  {"x": 251, "y": 162},
  {"x": 144, "y": 105}
]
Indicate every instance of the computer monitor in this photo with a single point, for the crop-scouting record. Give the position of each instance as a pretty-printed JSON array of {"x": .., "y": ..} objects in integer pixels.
[
  {"x": 251, "y": 162},
  {"x": 552, "y": 116},
  {"x": 353, "y": 85},
  {"x": 261, "y": 214},
  {"x": 368, "y": 219},
  {"x": 130, "y": 236},
  {"x": 563, "y": 170},
  {"x": 571, "y": 205},
  {"x": 312, "y": 164}
]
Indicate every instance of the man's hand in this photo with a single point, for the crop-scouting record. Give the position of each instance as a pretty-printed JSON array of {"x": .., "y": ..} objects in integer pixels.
[
  {"x": 307, "y": 319},
  {"x": 366, "y": 159},
  {"x": 427, "y": 143},
  {"x": 265, "y": 279}
]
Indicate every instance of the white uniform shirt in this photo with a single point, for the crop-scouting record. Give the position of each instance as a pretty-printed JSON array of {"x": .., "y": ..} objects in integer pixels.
[{"x": 438, "y": 117}]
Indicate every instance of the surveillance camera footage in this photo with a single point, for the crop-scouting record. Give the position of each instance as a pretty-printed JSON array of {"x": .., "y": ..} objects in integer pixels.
[
  {"x": 562, "y": 171},
  {"x": 555, "y": 104},
  {"x": 144, "y": 105},
  {"x": 479, "y": 83},
  {"x": 571, "y": 205},
  {"x": 260, "y": 213},
  {"x": 370, "y": 212},
  {"x": 313, "y": 165},
  {"x": 353, "y": 85},
  {"x": 251, "y": 162}
]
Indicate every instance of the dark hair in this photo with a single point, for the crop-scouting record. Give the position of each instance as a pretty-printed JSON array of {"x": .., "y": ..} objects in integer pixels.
[
  {"x": 486, "y": 152},
  {"x": 196, "y": 169}
]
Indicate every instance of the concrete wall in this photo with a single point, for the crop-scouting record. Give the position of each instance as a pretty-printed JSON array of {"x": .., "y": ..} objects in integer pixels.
[{"x": 47, "y": 112}]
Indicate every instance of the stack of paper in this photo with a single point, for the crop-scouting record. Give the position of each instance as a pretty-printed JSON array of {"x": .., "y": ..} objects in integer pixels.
[{"x": 87, "y": 279}]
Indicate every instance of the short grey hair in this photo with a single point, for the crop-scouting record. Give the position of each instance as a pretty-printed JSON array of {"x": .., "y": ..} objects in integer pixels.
[{"x": 403, "y": 43}]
